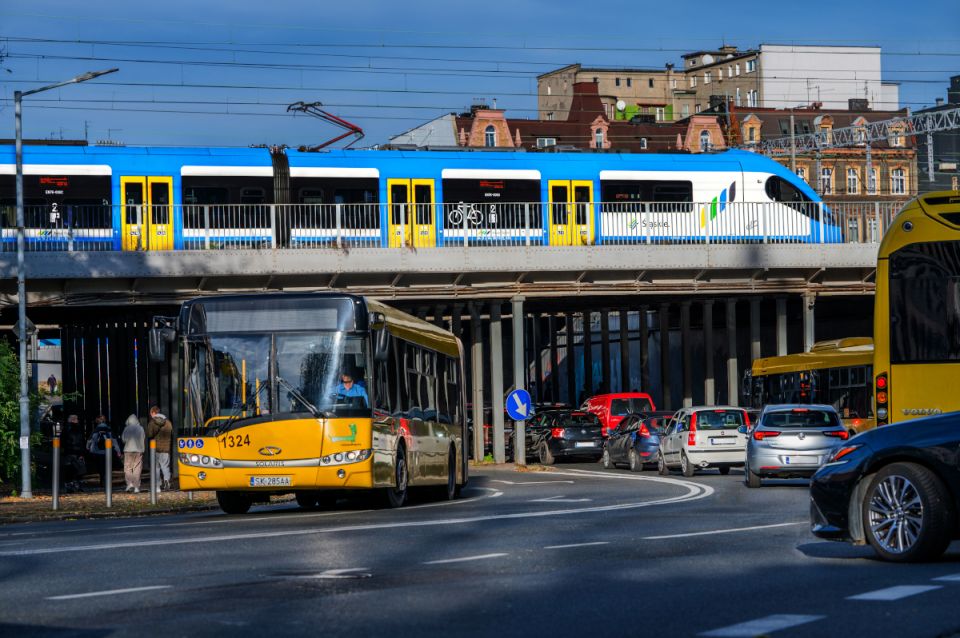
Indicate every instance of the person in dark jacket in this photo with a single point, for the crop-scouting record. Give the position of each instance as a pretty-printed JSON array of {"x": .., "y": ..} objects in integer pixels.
[
  {"x": 160, "y": 429},
  {"x": 97, "y": 447}
]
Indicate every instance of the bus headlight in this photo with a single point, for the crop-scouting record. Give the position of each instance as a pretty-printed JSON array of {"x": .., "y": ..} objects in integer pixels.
[
  {"x": 346, "y": 458},
  {"x": 196, "y": 460}
]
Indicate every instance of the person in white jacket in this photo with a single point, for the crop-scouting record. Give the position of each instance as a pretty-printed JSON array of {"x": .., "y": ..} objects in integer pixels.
[{"x": 133, "y": 448}]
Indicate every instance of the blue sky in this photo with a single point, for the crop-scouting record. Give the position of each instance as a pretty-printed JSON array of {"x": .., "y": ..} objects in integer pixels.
[{"x": 230, "y": 68}]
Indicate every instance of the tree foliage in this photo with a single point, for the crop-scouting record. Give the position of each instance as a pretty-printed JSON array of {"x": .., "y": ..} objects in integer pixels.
[{"x": 10, "y": 413}]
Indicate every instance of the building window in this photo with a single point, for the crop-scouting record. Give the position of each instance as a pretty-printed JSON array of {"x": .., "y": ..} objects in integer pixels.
[
  {"x": 736, "y": 68},
  {"x": 549, "y": 90},
  {"x": 872, "y": 182},
  {"x": 706, "y": 77},
  {"x": 629, "y": 81},
  {"x": 685, "y": 110},
  {"x": 673, "y": 83},
  {"x": 544, "y": 142},
  {"x": 737, "y": 99},
  {"x": 598, "y": 138},
  {"x": 643, "y": 143},
  {"x": 853, "y": 182},
  {"x": 730, "y": 71},
  {"x": 802, "y": 173},
  {"x": 693, "y": 80},
  {"x": 660, "y": 114},
  {"x": 825, "y": 134},
  {"x": 550, "y": 115},
  {"x": 898, "y": 182},
  {"x": 751, "y": 66},
  {"x": 752, "y": 134},
  {"x": 490, "y": 136},
  {"x": 650, "y": 83},
  {"x": 826, "y": 181},
  {"x": 596, "y": 80},
  {"x": 753, "y": 98},
  {"x": 704, "y": 141},
  {"x": 697, "y": 108},
  {"x": 617, "y": 81}
]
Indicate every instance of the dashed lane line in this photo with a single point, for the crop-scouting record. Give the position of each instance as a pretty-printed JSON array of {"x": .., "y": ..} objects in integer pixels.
[
  {"x": 464, "y": 559},
  {"x": 571, "y": 545},
  {"x": 762, "y": 626},
  {"x": 895, "y": 593},
  {"x": 694, "y": 491},
  {"x": 951, "y": 578},
  {"x": 731, "y": 530},
  {"x": 109, "y": 592},
  {"x": 529, "y": 482}
]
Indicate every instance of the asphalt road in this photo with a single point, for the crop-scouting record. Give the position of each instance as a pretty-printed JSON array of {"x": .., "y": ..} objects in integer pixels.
[{"x": 572, "y": 552}]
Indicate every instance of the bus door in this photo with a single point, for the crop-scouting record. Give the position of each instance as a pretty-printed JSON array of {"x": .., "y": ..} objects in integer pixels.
[
  {"x": 571, "y": 212},
  {"x": 147, "y": 215},
  {"x": 412, "y": 205}
]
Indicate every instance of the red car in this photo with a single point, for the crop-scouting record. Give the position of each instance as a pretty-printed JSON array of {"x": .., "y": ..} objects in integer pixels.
[{"x": 611, "y": 408}]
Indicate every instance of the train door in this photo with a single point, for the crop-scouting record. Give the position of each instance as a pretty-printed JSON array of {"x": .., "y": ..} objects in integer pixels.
[
  {"x": 412, "y": 205},
  {"x": 147, "y": 216},
  {"x": 571, "y": 212}
]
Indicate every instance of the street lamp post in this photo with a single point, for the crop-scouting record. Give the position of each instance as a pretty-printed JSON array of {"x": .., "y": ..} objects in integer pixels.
[{"x": 26, "y": 488}]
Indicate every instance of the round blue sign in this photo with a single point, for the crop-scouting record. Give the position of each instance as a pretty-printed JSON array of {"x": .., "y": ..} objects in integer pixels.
[
  {"x": 519, "y": 405},
  {"x": 199, "y": 443}
]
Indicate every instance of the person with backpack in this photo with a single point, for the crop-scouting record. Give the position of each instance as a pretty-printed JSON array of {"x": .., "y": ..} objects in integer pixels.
[
  {"x": 97, "y": 447},
  {"x": 161, "y": 429},
  {"x": 133, "y": 448}
]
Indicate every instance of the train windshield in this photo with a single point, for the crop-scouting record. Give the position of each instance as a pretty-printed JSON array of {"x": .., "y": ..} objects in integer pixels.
[{"x": 235, "y": 377}]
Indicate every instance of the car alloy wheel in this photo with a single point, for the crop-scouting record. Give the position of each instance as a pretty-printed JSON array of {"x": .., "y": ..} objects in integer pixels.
[
  {"x": 607, "y": 463},
  {"x": 895, "y": 514}
]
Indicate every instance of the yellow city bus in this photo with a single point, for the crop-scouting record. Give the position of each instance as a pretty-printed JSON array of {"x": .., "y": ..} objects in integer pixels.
[
  {"x": 837, "y": 373},
  {"x": 315, "y": 394},
  {"x": 917, "y": 311}
]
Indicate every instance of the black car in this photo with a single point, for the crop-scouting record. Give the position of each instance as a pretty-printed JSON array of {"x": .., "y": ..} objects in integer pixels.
[
  {"x": 896, "y": 487},
  {"x": 565, "y": 433},
  {"x": 634, "y": 441}
]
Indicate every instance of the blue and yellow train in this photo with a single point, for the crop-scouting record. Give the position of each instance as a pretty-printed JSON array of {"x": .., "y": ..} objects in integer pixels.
[{"x": 157, "y": 198}]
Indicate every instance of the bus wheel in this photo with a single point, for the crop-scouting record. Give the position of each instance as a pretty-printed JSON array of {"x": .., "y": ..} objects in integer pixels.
[
  {"x": 234, "y": 502},
  {"x": 397, "y": 496},
  {"x": 449, "y": 491}
]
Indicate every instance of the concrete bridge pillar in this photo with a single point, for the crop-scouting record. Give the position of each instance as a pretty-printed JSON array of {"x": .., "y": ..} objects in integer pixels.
[
  {"x": 809, "y": 323},
  {"x": 476, "y": 375},
  {"x": 665, "y": 356},
  {"x": 686, "y": 350},
  {"x": 606, "y": 384},
  {"x": 496, "y": 382},
  {"x": 644, "y": 350},
  {"x": 571, "y": 358},
  {"x": 732, "y": 372},
  {"x": 553, "y": 328},
  {"x": 624, "y": 351},
  {"x": 709, "y": 384},
  {"x": 588, "y": 354},
  {"x": 781, "y": 326},
  {"x": 755, "y": 350}
]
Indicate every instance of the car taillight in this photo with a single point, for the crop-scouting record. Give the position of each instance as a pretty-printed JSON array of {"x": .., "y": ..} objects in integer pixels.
[
  {"x": 556, "y": 433},
  {"x": 843, "y": 435},
  {"x": 760, "y": 435},
  {"x": 643, "y": 430},
  {"x": 746, "y": 418},
  {"x": 692, "y": 435},
  {"x": 842, "y": 452},
  {"x": 882, "y": 396}
]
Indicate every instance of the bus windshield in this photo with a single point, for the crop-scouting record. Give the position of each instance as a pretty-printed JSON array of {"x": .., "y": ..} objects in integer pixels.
[{"x": 236, "y": 376}]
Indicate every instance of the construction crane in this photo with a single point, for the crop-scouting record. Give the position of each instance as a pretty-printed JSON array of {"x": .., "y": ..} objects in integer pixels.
[
  {"x": 882, "y": 130},
  {"x": 313, "y": 108}
]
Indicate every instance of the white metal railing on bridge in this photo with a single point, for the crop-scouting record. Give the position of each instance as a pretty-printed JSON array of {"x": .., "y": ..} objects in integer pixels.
[{"x": 458, "y": 225}]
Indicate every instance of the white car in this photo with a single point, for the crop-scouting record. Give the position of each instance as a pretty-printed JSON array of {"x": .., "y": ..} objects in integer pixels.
[{"x": 704, "y": 436}]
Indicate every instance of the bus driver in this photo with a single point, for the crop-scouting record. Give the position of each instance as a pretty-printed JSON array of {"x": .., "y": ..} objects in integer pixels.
[{"x": 348, "y": 389}]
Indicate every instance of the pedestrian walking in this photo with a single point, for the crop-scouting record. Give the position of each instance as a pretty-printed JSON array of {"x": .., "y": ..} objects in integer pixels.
[
  {"x": 160, "y": 429},
  {"x": 52, "y": 384},
  {"x": 133, "y": 447},
  {"x": 97, "y": 447}
]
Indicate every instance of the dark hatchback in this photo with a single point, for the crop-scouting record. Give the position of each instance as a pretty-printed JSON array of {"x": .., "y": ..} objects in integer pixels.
[
  {"x": 896, "y": 487},
  {"x": 566, "y": 433},
  {"x": 634, "y": 441}
]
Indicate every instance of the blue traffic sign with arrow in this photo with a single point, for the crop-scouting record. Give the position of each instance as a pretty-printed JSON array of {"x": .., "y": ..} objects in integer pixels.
[{"x": 519, "y": 405}]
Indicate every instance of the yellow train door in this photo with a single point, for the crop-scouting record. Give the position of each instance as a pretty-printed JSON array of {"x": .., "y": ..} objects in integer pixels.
[
  {"x": 559, "y": 202},
  {"x": 412, "y": 206},
  {"x": 581, "y": 222},
  {"x": 571, "y": 212},
  {"x": 147, "y": 215}
]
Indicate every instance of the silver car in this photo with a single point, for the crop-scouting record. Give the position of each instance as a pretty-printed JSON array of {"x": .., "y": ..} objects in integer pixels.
[{"x": 792, "y": 441}]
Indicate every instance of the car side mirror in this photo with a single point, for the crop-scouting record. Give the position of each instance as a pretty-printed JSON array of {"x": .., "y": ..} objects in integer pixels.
[{"x": 742, "y": 429}]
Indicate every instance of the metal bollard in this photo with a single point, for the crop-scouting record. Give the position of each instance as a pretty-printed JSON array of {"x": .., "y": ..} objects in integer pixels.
[
  {"x": 56, "y": 473},
  {"x": 153, "y": 471},
  {"x": 108, "y": 472}
]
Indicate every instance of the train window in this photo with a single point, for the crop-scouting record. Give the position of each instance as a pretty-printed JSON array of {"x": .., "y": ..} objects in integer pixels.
[
  {"x": 160, "y": 200},
  {"x": 669, "y": 195},
  {"x": 422, "y": 197},
  {"x": 581, "y": 195},
  {"x": 780, "y": 190},
  {"x": 559, "y": 210},
  {"x": 205, "y": 195},
  {"x": 251, "y": 196},
  {"x": 134, "y": 201},
  {"x": 311, "y": 196},
  {"x": 398, "y": 196}
]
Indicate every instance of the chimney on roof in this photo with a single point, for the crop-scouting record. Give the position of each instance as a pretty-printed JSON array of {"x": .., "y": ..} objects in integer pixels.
[
  {"x": 669, "y": 66},
  {"x": 858, "y": 104},
  {"x": 939, "y": 101},
  {"x": 953, "y": 93},
  {"x": 728, "y": 48}
]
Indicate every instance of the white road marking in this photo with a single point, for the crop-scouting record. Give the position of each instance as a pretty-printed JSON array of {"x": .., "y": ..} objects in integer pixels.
[
  {"x": 560, "y": 499},
  {"x": 109, "y": 592},
  {"x": 529, "y": 482},
  {"x": 762, "y": 626},
  {"x": 952, "y": 578},
  {"x": 463, "y": 559},
  {"x": 895, "y": 593},
  {"x": 721, "y": 531},
  {"x": 347, "y": 572},
  {"x": 576, "y": 545}
]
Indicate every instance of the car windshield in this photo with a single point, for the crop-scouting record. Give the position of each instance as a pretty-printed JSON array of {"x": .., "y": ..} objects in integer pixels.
[
  {"x": 719, "y": 419},
  {"x": 623, "y": 407},
  {"x": 577, "y": 420},
  {"x": 239, "y": 376},
  {"x": 801, "y": 418}
]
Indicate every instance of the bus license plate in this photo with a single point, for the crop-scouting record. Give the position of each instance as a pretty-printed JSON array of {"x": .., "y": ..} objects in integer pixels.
[{"x": 269, "y": 481}]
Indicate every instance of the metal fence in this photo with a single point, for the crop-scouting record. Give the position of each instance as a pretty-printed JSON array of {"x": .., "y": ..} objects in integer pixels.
[{"x": 426, "y": 225}]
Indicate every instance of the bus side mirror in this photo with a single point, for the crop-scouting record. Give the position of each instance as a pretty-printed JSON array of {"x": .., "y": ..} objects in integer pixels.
[
  {"x": 159, "y": 338},
  {"x": 381, "y": 344}
]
